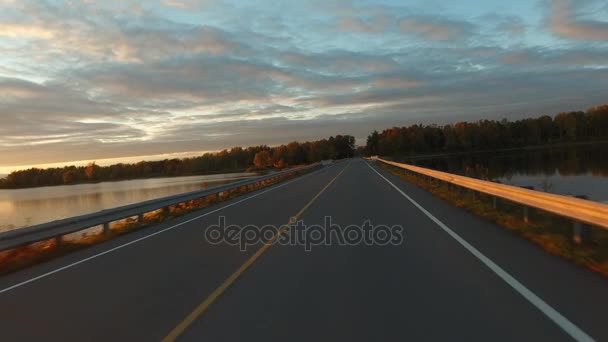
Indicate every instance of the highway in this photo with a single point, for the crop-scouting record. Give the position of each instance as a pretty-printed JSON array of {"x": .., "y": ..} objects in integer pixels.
[{"x": 454, "y": 276}]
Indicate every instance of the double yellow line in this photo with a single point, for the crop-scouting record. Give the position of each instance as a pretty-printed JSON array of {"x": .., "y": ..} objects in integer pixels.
[{"x": 205, "y": 304}]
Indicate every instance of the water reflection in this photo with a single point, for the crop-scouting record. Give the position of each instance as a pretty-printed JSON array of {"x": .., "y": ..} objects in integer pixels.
[
  {"x": 573, "y": 170},
  {"x": 25, "y": 207}
]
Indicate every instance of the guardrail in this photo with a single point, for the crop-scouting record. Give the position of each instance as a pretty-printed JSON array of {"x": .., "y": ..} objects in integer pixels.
[
  {"x": 25, "y": 236},
  {"x": 579, "y": 210}
]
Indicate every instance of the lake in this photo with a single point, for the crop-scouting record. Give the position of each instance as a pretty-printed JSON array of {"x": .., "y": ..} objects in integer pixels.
[
  {"x": 26, "y": 207},
  {"x": 567, "y": 170}
]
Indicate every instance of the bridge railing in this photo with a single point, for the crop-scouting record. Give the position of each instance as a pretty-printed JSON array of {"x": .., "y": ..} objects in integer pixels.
[
  {"x": 57, "y": 229},
  {"x": 579, "y": 210}
]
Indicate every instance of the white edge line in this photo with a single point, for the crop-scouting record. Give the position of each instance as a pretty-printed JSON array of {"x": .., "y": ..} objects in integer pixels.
[
  {"x": 44, "y": 275},
  {"x": 569, "y": 327}
]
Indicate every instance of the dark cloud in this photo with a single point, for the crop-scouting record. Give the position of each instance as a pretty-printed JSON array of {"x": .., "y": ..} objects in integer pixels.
[{"x": 543, "y": 58}]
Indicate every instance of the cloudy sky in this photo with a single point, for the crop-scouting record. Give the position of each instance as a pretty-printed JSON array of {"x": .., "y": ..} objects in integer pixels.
[{"x": 93, "y": 80}]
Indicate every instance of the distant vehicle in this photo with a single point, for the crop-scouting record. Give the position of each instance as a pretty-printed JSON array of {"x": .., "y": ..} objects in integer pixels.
[{"x": 327, "y": 162}]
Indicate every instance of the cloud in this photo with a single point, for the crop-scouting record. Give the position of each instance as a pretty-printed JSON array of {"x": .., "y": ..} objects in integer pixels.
[
  {"x": 543, "y": 58},
  {"x": 566, "y": 19},
  {"x": 438, "y": 29},
  {"x": 129, "y": 35},
  {"x": 375, "y": 24},
  {"x": 341, "y": 62},
  {"x": 186, "y": 4},
  {"x": 511, "y": 25},
  {"x": 82, "y": 81},
  {"x": 16, "y": 30}
]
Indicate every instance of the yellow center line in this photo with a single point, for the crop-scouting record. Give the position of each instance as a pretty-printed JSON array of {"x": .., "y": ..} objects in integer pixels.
[{"x": 205, "y": 304}]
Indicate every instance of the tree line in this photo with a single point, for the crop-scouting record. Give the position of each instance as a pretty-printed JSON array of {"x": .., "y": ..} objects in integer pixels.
[
  {"x": 229, "y": 160},
  {"x": 490, "y": 134}
]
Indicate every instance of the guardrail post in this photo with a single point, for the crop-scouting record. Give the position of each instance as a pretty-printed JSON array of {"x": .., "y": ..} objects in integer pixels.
[
  {"x": 106, "y": 227},
  {"x": 526, "y": 210},
  {"x": 577, "y": 230},
  {"x": 140, "y": 218},
  {"x": 580, "y": 232},
  {"x": 494, "y": 202}
]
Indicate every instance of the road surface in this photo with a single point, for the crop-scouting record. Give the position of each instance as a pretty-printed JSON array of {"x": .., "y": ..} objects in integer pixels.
[{"x": 455, "y": 276}]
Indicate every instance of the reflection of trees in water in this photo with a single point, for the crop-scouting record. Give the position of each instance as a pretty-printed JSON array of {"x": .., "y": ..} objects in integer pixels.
[
  {"x": 477, "y": 171},
  {"x": 566, "y": 161},
  {"x": 546, "y": 185}
]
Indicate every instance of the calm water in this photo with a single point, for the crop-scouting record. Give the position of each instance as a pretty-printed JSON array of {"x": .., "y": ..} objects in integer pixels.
[
  {"x": 25, "y": 207},
  {"x": 575, "y": 170}
]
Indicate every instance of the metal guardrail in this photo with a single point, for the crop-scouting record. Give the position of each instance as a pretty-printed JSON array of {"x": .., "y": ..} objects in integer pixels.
[
  {"x": 579, "y": 210},
  {"x": 24, "y": 236}
]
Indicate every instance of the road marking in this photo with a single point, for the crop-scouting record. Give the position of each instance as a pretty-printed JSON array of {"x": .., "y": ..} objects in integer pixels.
[
  {"x": 569, "y": 327},
  {"x": 205, "y": 304},
  {"x": 31, "y": 280}
]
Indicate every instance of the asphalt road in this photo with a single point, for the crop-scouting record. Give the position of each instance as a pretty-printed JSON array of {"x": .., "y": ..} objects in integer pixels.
[{"x": 454, "y": 277}]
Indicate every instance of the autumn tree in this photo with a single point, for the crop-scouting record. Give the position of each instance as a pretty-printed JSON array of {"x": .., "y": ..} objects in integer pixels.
[
  {"x": 490, "y": 134},
  {"x": 69, "y": 176},
  {"x": 90, "y": 171},
  {"x": 262, "y": 159}
]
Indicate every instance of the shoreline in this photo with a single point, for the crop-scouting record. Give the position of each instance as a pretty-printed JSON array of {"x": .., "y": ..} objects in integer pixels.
[
  {"x": 510, "y": 149},
  {"x": 257, "y": 172}
]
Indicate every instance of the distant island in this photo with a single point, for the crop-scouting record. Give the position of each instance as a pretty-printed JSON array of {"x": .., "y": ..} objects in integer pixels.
[
  {"x": 484, "y": 135},
  {"x": 233, "y": 160}
]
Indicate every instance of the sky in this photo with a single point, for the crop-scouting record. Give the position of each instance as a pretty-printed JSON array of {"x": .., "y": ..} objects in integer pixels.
[{"x": 85, "y": 80}]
